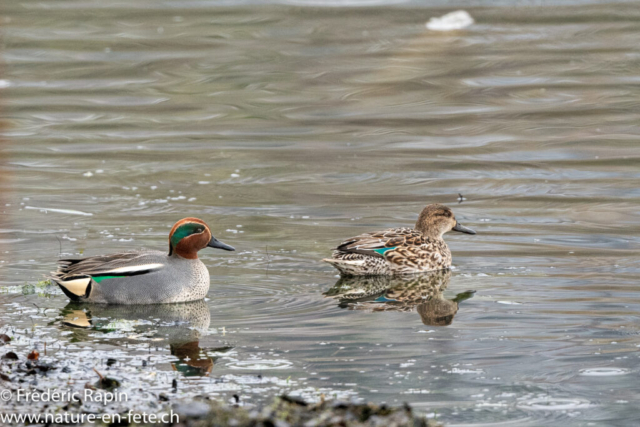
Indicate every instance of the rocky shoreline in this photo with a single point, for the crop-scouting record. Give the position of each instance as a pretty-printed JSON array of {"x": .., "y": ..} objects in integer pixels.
[
  {"x": 89, "y": 401},
  {"x": 285, "y": 411}
]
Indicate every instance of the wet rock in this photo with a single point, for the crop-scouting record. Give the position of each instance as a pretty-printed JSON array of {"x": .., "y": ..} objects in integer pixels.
[
  {"x": 288, "y": 411},
  {"x": 4, "y": 338},
  {"x": 106, "y": 383},
  {"x": 294, "y": 400},
  {"x": 44, "y": 367},
  {"x": 10, "y": 356},
  {"x": 29, "y": 367}
]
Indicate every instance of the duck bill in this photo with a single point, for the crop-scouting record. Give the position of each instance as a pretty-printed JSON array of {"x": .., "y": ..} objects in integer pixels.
[
  {"x": 215, "y": 243},
  {"x": 461, "y": 228}
]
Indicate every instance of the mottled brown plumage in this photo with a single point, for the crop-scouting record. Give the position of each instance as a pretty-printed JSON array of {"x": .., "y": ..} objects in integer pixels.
[
  {"x": 400, "y": 250},
  {"x": 424, "y": 293}
]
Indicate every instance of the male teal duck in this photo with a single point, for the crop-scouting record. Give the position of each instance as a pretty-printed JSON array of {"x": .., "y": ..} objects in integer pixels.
[
  {"x": 143, "y": 277},
  {"x": 400, "y": 250}
]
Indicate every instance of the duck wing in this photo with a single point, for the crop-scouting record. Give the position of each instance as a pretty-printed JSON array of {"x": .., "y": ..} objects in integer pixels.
[
  {"x": 378, "y": 243},
  {"x": 121, "y": 264}
]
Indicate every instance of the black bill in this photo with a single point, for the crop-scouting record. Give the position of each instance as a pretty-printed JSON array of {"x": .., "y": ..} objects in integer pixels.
[
  {"x": 461, "y": 228},
  {"x": 215, "y": 243}
]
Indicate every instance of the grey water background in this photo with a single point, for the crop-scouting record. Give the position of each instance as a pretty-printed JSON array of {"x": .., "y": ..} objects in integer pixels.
[{"x": 289, "y": 126}]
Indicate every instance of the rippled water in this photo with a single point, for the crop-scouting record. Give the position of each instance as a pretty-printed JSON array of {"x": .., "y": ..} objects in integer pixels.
[{"x": 288, "y": 127}]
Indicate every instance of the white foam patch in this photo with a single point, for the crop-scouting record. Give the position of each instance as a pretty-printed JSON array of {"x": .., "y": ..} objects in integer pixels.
[
  {"x": 65, "y": 211},
  {"x": 451, "y": 21},
  {"x": 551, "y": 404},
  {"x": 603, "y": 372}
]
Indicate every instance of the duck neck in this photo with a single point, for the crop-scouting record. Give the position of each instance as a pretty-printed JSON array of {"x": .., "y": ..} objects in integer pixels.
[
  {"x": 184, "y": 255},
  {"x": 184, "y": 250},
  {"x": 429, "y": 232}
]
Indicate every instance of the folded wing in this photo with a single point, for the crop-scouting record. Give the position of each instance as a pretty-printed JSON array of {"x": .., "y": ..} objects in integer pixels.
[
  {"x": 74, "y": 276},
  {"x": 378, "y": 243}
]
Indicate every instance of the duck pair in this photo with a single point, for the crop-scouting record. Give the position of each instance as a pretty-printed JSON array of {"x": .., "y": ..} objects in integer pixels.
[{"x": 155, "y": 277}]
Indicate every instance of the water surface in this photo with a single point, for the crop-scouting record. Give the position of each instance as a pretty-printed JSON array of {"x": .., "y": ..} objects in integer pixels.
[{"x": 288, "y": 127}]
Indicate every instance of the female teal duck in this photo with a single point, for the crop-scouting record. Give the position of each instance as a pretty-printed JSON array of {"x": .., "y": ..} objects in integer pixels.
[
  {"x": 143, "y": 277},
  {"x": 400, "y": 250}
]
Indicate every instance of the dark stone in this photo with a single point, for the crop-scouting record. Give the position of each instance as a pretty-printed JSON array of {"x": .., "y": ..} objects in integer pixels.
[{"x": 10, "y": 356}]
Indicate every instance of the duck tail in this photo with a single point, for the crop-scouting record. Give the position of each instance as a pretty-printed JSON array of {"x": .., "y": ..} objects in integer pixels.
[
  {"x": 76, "y": 288},
  {"x": 347, "y": 267}
]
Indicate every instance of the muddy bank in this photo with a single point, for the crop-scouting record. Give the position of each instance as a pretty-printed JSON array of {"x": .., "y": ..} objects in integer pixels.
[
  {"x": 51, "y": 392},
  {"x": 285, "y": 411}
]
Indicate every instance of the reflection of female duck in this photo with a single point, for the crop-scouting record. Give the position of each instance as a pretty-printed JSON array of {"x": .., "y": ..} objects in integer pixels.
[
  {"x": 384, "y": 293},
  {"x": 179, "y": 325}
]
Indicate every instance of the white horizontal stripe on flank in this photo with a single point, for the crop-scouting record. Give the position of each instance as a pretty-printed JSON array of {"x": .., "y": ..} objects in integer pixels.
[
  {"x": 63, "y": 211},
  {"x": 131, "y": 269}
]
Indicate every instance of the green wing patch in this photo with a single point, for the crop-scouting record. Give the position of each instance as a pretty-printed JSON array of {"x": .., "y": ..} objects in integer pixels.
[
  {"x": 101, "y": 278},
  {"x": 383, "y": 250}
]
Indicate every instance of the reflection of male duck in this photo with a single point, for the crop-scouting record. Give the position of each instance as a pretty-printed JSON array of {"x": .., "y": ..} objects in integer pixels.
[
  {"x": 179, "y": 325},
  {"x": 384, "y": 293}
]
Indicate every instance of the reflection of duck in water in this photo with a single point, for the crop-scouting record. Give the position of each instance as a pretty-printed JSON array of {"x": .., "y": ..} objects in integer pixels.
[
  {"x": 179, "y": 325},
  {"x": 384, "y": 293}
]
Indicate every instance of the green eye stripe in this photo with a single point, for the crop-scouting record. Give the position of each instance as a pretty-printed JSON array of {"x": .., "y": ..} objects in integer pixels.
[{"x": 185, "y": 230}]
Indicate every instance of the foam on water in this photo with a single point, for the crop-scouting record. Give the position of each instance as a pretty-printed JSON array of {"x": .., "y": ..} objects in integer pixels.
[
  {"x": 603, "y": 372},
  {"x": 551, "y": 404}
]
